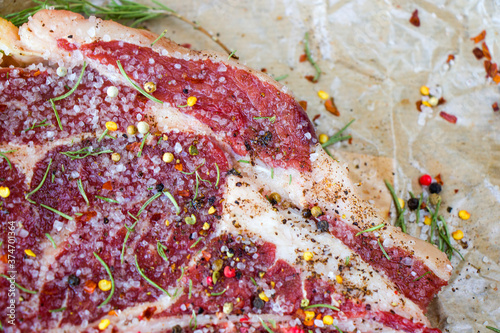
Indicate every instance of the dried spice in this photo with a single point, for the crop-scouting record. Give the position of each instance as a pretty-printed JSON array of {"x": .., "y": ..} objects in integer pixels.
[
  {"x": 448, "y": 117},
  {"x": 486, "y": 51},
  {"x": 303, "y": 104},
  {"x": 478, "y": 53},
  {"x": 414, "y": 18},
  {"x": 479, "y": 37},
  {"x": 331, "y": 107},
  {"x": 494, "y": 106}
]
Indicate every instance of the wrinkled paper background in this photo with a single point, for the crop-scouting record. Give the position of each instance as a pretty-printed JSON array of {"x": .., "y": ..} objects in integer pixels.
[{"x": 373, "y": 62}]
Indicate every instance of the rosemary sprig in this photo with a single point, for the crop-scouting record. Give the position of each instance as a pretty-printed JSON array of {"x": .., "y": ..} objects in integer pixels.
[
  {"x": 103, "y": 135},
  {"x": 253, "y": 281},
  {"x": 84, "y": 152},
  {"x": 157, "y": 195},
  {"x": 244, "y": 161},
  {"x": 182, "y": 274},
  {"x": 139, "y": 89},
  {"x": 219, "y": 293},
  {"x": 160, "y": 248},
  {"x": 57, "y": 310},
  {"x": 265, "y": 325},
  {"x": 2, "y": 154},
  {"x": 19, "y": 286},
  {"x": 110, "y": 278},
  {"x": 172, "y": 199},
  {"x": 383, "y": 250},
  {"x": 190, "y": 288},
  {"x": 493, "y": 329},
  {"x": 141, "y": 273},
  {"x": 42, "y": 124},
  {"x": 338, "y": 136},
  {"x": 310, "y": 59},
  {"x": 381, "y": 225},
  {"x": 159, "y": 37},
  {"x": 56, "y": 114},
  {"x": 338, "y": 329},
  {"x": 127, "y": 235},
  {"x": 57, "y": 212},
  {"x": 72, "y": 90},
  {"x": 218, "y": 175},
  {"x": 82, "y": 191},
  {"x": 231, "y": 55},
  {"x": 400, "y": 222},
  {"x": 421, "y": 276},
  {"x": 271, "y": 119},
  {"x": 322, "y": 306},
  {"x": 193, "y": 317},
  {"x": 106, "y": 199},
  {"x": 282, "y": 77},
  {"x": 49, "y": 237},
  {"x": 41, "y": 183},
  {"x": 196, "y": 243},
  {"x": 142, "y": 144}
]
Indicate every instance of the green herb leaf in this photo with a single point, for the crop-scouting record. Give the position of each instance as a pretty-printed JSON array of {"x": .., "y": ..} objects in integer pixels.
[
  {"x": 157, "y": 195},
  {"x": 159, "y": 37},
  {"x": 41, "y": 183},
  {"x": 19, "y": 286},
  {"x": 57, "y": 310},
  {"x": 84, "y": 152},
  {"x": 338, "y": 329},
  {"x": 347, "y": 260},
  {"x": 57, "y": 212},
  {"x": 421, "y": 276},
  {"x": 160, "y": 249},
  {"x": 82, "y": 191},
  {"x": 55, "y": 99},
  {"x": 182, "y": 274},
  {"x": 244, "y": 161},
  {"x": 310, "y": 59},
  {"x": 172, "y": 199},
  {"x": 400, "y": 222},
  {"x": 142, "y": 145},
  {"x": 196, "y": 243},
  {"x": 271, "y": 119},
  {"x": 51, "y": 240},
  {"x": 322, "y": 306},
  {"x": 2, "y": 154},
  {"x": 56, "y": 114},
  {"x": 103, "y": 135},
  {"x": 338, "y": 136},
  {"x": 193, "y": 317},
  {"x": 190, "y": 288},
  {"x": 141, "y": 273},
  {"x": 381, "y": 225},
  {"x": 218, "y": 175},
  {"x": 127, "y": 235},
  {"x": 493, "y": 329},
  {"x": 139, "y": 89},
  {"x": 383, "y": 250},
  {"x": 265, "y": 326},
  {"x": 282, "y": 77},
  {"x": 110, "y": 278},
  {"x": 219, "y": 293},
  {"x": 232, "y": 54},
  {"x": 42, "y": 124},
  {"x": 253, "y": 281},
  {"x": 106, "y": 199}
]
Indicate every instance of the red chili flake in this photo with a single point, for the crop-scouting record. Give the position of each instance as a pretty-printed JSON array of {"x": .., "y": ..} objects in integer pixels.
[
  {"x": 496, "y": 78},
  {"x": 4, "y": 258},
  {"x": 36, "y": 73},
  {"x": 316, "y": 117},
  {"x": 486, "y": 52},
  {"x": 310, "y": 78},
  {"x": 206, "y": 255},
  {"x": 183, "y": 193},
  {"x": 303, "y": 104},
  {"x": 439, "y": 180},
  {"x": 423, "y": 205},
  {"x": 133, "y": 147},
  {"x": 456, "y": 190},
  {"x": 209, "y": 281},
  {"x": 107, "y": 185},
  {"x": 350, "y": 141},
  {"x": 229, "y": 272},
  {"x": 478, "y": 53},
  {"x": 448, "y": 117},
  {"x": 479, "y": 37},
  {"x": 85, "y": 217},
  {"x": 178, "y": 167},
  {"x": 494, "y": 106},
  {"x": 419, "y": 105},
  {"x": 263, "y": 70},
  {"x": 450, "y": 58},
  {"x": 303, "y": 58},
  {"x": 89, "y": 286},
  {"x": 414, "y": 18},
  {"x": 441, "y": 101},
  {"x": 331, "y": 107},
  {"x": 186, "y": 45},
  {"x": 295, "y": 329},
  {"x": 244, "y": 319},
  {"x": 490, "y": 68}
]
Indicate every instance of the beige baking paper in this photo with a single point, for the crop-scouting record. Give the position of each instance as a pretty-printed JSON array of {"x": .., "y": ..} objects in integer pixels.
[{"x": 373, "y": 63}]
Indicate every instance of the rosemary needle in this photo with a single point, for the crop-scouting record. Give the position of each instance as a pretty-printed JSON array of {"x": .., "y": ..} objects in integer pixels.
[{"x": 110, "y": 278}]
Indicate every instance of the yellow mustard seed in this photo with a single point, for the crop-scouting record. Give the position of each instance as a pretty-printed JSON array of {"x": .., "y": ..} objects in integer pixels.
[
  {"x": 427, "y": 220},
  {"x": 424, "y": 90},
  {"x": 191, "y": 101},
  {"x": 116, "y": 157},
  {"x": 458, "y": 235},
  {"x": 309, "y": 315},
  {"x": 323, "y": 94},
  {"x": 104, "y": 324},
  {"x": 264, "y": 297},
  {"x": 401, "y": 203},
  {"x": 131, "y": 130},
  {"x": 168, "y": 157},
  {"x": 426, "y": 103},
  {"x": 30, "y": 253},
  {"x": 339, "y": 279},
  {"x": 211, "y": 210},
  {"x": 150, "y": 87},
  {"x": 323, "y": 138},
  {"x": 464, "y": 215},
  {"x": 308, "y": 256},
  {"x": 4, "y": 191},
  {"x": 206, "y": 226},
  {"x": 328, "y": 320},
  {"x": 104, "y": 285},
  {"x": 316, "y": 211},
  {"x": 111, "y": 126}
]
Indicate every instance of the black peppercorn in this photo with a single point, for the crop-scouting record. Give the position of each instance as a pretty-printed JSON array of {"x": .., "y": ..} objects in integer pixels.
[
  {"x": 73, "y": 280},
  {"x": 106, "y": 220},
  {"x": 413, "y": 203},
  {"x": 306, "y": 213},
  {"x": 322, "y": 226},
  {"x": 159, "y": 187},
  {"x": 177, "y": 329},
  {"x": 435, "y": 188},
  {"x": 258, "y": 303}
]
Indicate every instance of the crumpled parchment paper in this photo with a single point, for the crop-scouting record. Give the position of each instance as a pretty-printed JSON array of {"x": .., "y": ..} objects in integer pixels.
[{"x": 374, "y": 62}]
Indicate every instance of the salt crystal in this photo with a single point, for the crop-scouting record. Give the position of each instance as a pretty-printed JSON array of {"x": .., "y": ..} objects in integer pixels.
[{"x": 177, "y": 148}]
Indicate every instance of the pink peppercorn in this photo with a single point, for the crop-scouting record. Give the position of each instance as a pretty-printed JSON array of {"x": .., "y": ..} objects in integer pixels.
[
  {"x": 425, "y": 180},
  {"x": 229, "y": 272}
]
